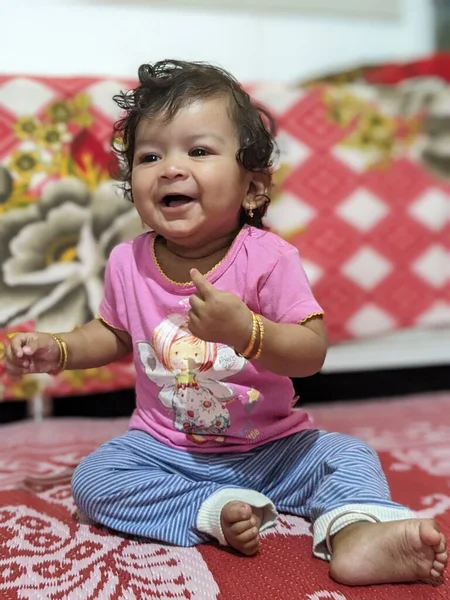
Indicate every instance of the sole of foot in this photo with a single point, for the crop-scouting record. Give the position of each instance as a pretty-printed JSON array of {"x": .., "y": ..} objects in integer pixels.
[{"x": 391, "y": 552}]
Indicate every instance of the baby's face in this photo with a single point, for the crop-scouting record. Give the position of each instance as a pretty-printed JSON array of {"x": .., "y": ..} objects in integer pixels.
[{"x": 187, "y": 184}]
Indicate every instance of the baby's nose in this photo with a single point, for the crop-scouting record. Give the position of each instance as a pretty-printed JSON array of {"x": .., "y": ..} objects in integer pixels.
[{"x": 174, "y": 171}]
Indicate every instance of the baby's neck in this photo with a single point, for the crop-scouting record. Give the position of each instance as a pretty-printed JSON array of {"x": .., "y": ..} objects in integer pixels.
[
  {"x": 207, "y": 250},
  {"x": 177, "y": 261}
]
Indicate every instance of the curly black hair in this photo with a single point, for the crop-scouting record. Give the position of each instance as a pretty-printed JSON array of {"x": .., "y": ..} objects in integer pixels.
[{"x": 168, "y": 85}]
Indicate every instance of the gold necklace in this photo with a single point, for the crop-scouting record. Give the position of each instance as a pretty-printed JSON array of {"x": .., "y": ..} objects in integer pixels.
[{"x": 187, "y": 283}]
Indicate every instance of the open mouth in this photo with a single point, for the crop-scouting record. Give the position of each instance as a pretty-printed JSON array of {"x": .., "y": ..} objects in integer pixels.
[{"x": 176, "y": 200}]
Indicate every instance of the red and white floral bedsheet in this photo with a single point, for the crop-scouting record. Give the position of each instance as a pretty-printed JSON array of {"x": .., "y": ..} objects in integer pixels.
[{"x": 360, "y": 189}]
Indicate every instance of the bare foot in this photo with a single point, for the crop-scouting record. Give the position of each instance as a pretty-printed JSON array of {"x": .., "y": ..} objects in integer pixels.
[
  {"x": 398, "y": 551},
  {"x": 240, "y": 525}
]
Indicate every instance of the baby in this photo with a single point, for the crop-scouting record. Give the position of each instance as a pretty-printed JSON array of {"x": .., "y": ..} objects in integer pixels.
[{"x": 219, "y": 315}]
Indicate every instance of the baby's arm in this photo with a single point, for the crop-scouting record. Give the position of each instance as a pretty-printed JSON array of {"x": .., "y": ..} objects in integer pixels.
[
  {"x": 95, "y": 344},
  {"x": 295, "y": 350},
  {"x": 91, "y": 345},
  {"x": 295, "y": 340}
]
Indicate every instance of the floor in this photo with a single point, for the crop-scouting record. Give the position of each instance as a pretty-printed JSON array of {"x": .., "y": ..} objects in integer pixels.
[{"x": 47, "y": 553}]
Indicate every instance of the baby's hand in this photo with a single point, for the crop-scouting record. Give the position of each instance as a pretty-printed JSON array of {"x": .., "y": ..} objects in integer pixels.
[
  {"x": 32, "y": 353},
  {"x": 217, "y": 316}
]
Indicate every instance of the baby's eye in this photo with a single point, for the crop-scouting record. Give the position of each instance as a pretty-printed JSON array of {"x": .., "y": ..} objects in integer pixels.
[
  {"x": 148, "y": 158},
  {"x": 198, "y": 152}
]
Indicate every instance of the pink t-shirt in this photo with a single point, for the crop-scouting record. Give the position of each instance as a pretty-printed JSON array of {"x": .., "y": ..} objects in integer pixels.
[{"x": 201, "y": 396}]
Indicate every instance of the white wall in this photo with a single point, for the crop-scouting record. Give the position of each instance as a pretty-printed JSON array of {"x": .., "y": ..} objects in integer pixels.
[{"x": 84, "y": 37}]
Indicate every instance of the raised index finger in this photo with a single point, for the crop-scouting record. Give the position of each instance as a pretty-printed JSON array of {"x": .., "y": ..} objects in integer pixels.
[{"x": 204, "y": 287}]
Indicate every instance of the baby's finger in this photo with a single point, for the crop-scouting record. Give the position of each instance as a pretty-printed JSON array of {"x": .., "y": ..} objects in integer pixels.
[
  {"x": 196, "y": 304},
  {"x": 23, "y": 344},
  {"x": 13, "y": 356},
  {"x": 20, "y": 364},
  {"x": 15, "y": 371},
  {"x": 204, "y": 287},
  {"x": 17, "y": 344},
  {"x": 193, "y": 323}
]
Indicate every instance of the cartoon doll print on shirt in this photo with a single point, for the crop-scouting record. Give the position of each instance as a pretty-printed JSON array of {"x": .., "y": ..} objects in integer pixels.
[{"x": 189, "y": 372}]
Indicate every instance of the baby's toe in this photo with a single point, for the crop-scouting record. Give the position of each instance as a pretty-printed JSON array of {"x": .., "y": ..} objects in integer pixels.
[
  {"x": 248, "y": 536},
  {"x": 438, "y": 566},
  {"x": 234, "y": 512},
  {"x": 240, "y": 527},
  {"x": 442, "y": 546}
]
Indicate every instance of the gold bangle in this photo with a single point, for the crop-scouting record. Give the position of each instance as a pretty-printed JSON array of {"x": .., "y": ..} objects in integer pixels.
[
  {"x": 261, "y": 337},
  {"x": 56, "y": 370},
  {"x": 63, "y": 353},
  {"x": 248, "y": 351}
]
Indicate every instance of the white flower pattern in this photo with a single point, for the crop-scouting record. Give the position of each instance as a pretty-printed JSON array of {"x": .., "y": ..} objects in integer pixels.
[{"x": 53, "y": 253}]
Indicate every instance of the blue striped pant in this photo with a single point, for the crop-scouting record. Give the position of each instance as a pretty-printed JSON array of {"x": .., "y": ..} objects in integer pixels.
[{"x": 138, "y": 485}]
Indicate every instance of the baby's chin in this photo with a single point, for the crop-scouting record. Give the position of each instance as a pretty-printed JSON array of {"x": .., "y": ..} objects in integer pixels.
[{"x": 183, "y": 233}]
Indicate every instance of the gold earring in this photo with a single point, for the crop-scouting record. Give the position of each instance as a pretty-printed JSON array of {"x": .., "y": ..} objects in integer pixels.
[{"x": 250, "y": 211}]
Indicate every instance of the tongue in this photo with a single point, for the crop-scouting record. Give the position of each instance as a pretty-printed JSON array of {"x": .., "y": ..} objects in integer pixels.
[{"x": 178, "y": 201}]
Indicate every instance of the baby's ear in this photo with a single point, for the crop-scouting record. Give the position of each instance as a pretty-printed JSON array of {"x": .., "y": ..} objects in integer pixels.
[{"x": 259, "y": 188}]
